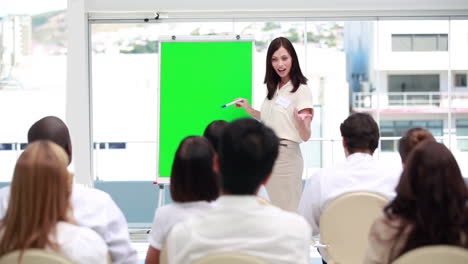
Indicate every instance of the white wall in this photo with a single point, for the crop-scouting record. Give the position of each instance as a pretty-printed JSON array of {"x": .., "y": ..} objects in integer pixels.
[{"x": 411, "y": 61}]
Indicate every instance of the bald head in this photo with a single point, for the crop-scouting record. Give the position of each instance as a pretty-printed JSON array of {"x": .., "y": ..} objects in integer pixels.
[{"x": 54, "y": 129}]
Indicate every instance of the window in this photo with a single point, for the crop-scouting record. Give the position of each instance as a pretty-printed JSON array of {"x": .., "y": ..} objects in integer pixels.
[
  {"x": 33, "y": 64},
  {"x": 396, "y": 128},
  {"x": 419, "y": 42},
  {"x": 462, "y": 130},
  {"x": 460, "y": 80},
  {"x": 413, "y": 83}
]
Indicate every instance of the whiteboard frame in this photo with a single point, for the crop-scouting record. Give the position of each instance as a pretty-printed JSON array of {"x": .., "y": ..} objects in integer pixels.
[{"x": 185, "y": 38}]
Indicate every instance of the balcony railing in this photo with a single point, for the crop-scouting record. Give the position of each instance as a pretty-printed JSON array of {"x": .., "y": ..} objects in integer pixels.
[{"x": 372, "y": 100}]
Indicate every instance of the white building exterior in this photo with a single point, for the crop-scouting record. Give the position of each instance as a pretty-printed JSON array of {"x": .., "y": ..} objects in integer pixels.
[{"x": 414, "y": 74}]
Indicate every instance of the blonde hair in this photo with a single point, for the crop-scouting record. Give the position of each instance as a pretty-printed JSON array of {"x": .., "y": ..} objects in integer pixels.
[{"x": 39, "y": 198}]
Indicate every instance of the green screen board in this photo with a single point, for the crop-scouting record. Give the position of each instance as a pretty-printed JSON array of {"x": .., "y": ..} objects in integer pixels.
[{"x": 196, "y": 79}]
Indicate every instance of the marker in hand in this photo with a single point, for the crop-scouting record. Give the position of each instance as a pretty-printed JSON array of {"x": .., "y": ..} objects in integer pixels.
[{"x": 231, "y": 103}]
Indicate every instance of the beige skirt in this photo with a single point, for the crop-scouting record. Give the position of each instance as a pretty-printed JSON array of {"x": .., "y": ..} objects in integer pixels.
[{"x": 285, "y": 184}]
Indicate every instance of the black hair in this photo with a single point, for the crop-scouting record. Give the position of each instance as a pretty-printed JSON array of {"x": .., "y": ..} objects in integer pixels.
[
  {"x": 360, "y": 132},
  {"x": 248, "y": 151},
  {"x": 192, "y": 175}
]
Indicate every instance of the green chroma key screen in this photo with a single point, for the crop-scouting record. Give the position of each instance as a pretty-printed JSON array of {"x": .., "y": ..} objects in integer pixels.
[{"x": 197, "y": 78}]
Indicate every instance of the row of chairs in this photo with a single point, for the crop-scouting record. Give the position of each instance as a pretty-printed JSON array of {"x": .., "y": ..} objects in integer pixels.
[
  {"x": 344, "y": 227},
  {"x": 423, "y": 255}
]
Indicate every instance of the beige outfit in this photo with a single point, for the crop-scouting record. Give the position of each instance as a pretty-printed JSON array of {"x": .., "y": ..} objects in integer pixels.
[
  {"x": 285, "y": 185},
  {"x": 385, "y": 240}
]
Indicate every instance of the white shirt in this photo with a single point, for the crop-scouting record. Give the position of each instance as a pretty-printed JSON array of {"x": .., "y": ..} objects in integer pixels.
[
  {"x": 240, "y": 223},
  {"x": 167, "y": 216},
  {"x": 80, "y": 244},
  {"x": 360, "y": 172},
  {"x": 278, "y": 113},
  {"x": 95, "y": 209}
]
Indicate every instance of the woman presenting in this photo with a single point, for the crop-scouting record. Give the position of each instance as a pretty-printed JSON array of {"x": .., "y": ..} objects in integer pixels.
[{"x": 287, "y": 109}]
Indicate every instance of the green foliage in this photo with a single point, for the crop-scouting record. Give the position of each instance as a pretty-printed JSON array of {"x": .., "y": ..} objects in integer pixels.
[
  {"x": 293, "y": 36},
  {"x": 151, "y": 46},
  {"x": 40, "y": 19},
  {"x": 260, "y": 45},
  {"x": 270, "y": 26}
]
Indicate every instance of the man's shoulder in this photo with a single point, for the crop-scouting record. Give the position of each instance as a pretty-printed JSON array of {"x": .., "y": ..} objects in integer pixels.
[
  {"x": 89, "y": 192},
  {"x": 89, "y": 195}
]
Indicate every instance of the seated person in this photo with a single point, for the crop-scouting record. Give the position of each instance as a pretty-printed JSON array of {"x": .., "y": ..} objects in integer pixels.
[
  {"x": 430, "y": 207},
  {"x": 240, "y": 222},
  {"x": 213, "y": 133},
  {"x": 91, "y": 207},
  {"x": 360, "y": 171},
  {"x": 194, "y": 184},
  {"x": 39, "y": 212}
]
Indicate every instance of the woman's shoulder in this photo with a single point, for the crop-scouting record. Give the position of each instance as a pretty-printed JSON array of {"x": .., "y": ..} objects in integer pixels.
[{"x": 186, "y": 207}]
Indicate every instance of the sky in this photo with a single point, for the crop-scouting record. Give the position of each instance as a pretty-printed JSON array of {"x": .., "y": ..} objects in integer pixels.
[{"x": 30, "y": 7}]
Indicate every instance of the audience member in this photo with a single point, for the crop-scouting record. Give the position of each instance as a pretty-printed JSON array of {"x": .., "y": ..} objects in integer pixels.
[
  {"x": 194, "y": 184},
  {"x": 239, "y": 222},
  {"x": 91, "y": 207},
  {"x": 39, "y": 214},
  {"x": 360, "y": 172},
  {"x": 410, "y": 139},
  {"x": 430, "y": 207},
  {"x": 213, "y": 133}
]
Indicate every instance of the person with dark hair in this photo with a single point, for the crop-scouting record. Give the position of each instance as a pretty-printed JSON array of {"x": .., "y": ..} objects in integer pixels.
[
  {"x": 288, "y": 110},
  {"x": 91, "y": 207},
  {"x": 194, "y": 184},
  {"x": 239, "y": 222},
  {"x": 213, "y": 133},
  {"x": 430, "y": 207},
  {"x": 411, "y": 139},
  {"x": 360, "y": 172},
  {"x": 39, "y": 212}
]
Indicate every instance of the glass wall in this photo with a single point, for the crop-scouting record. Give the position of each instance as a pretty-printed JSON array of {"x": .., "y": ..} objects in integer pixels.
[
  {"x": 33, "y": 48},
  {"x": 403, "y": 72}
]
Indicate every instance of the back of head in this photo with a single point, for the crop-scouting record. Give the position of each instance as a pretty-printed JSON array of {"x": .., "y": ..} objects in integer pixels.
[
  {"x": 360, "y": 132},
  {"x": 54, "y": 129},
  {"x": 410, "y": 139},
  {"x": 192, "y": 176},
  {"x": 39, "y": 197},
  {"x": 248, "y": 151},
  {"x": 214, "y": 131},
  {"x": 432, "y": 196}
]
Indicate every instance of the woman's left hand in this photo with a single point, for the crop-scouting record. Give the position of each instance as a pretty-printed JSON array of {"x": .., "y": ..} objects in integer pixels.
[{"x": 302, "y": 119}]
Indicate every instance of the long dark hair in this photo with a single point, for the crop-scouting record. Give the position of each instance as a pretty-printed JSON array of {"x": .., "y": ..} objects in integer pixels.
[
  {"x": 192, "y": 175},
  {"x": 432, "y": 198},
  {"x": 272, "y": 79}
]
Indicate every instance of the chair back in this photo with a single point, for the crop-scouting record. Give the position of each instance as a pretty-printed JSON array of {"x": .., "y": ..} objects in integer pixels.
[
  {"x": 230, "y": 258},
  {"x": 34, "y": 256},
  {"x": 345, "y": 224},
  {"x": 439, "y": 254}
]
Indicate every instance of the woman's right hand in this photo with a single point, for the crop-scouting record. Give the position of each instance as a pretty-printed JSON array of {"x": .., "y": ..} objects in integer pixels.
[{"x": 244, "y": 103}]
